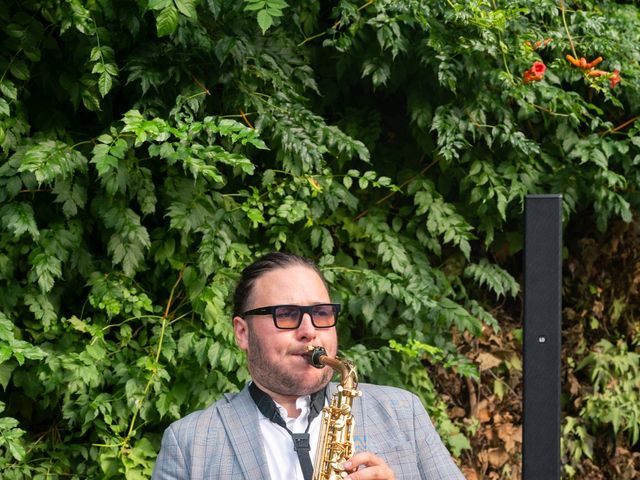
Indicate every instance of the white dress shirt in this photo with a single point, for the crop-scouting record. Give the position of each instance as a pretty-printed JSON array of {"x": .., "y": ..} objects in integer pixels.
[{"x": 281, "y": 457}]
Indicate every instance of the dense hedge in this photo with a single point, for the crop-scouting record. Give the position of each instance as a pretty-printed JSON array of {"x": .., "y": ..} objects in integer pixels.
[{"x": 151, "y": 149}]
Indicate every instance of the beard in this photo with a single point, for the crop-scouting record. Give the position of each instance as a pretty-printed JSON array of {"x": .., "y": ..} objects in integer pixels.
[{"x": 279, "y": 378}]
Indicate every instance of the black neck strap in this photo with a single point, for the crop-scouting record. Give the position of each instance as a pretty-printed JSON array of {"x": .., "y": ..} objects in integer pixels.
[{"x": 301, "y": 445}]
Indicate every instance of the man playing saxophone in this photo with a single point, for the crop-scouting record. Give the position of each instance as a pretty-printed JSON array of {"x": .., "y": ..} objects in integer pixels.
[{"x": 271, "y": 429}]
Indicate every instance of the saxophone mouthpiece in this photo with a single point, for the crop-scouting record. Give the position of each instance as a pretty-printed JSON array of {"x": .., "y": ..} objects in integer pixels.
[{"x": 315, "y": 354}]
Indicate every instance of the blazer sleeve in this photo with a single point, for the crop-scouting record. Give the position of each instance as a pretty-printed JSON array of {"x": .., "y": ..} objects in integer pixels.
[
  {"x": 434, "y": 460},
  {"x": 393, "y": 424},
  {"x": 217, "y": 443},
  {"x": 170, "y": 464}
]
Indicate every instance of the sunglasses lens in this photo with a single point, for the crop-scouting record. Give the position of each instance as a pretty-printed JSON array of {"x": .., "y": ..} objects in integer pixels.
[
  {"x": 287, "y": 317},
  {"x": 324, "y": 315}
]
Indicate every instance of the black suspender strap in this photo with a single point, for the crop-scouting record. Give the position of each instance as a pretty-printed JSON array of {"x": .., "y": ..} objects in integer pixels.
[
  {"x": 301, "y": 444},
  {"x": 302, "y": 447}
]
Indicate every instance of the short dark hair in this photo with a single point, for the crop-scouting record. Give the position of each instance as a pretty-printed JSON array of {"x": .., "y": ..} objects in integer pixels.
[{"x": 266, "y": 263}]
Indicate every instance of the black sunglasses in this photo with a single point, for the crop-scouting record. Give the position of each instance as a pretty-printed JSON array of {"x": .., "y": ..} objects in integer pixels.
[{"x": 289, "y": 317}]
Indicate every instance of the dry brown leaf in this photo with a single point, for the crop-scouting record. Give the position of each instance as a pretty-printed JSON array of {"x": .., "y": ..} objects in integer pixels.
[
  {"x": 510, "y": 435},
  {"x": 470, "y": 474},
  {"x": 496, "y": 339},
  {"x": 483, "y": 413},
  {"x": 488, "y": 434},
  {"x": 597, "y": 308},
  {"x": 457, "y": 412},
  {"x": 574, "y": 384},
  {"x": 496, "y": 457},
  {"x": 487, "y": 360}
]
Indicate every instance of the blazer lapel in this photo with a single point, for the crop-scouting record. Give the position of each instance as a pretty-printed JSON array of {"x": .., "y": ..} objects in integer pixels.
[{"x": 240, "y": 419}]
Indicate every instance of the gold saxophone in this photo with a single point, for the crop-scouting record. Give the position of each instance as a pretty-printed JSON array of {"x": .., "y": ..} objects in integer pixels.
[{"x": 335, "y": 444}]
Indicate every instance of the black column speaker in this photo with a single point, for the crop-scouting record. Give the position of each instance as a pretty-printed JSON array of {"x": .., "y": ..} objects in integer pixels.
[{"x": 542, "y": 341}]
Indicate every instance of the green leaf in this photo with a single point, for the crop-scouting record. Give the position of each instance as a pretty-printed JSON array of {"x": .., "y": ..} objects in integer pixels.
[
  {"x": 8, "y": 89},
  {"x": 50, "y": 160},
  {"x": 5, "y": 353},
  {"x": 111, "y": 69},
  {"x": 96, "y": 351},
  {"x": 18, "y": 219},
  {"x": 159, "y": 4},
  {"x": 264, "y": 20},
  {"x": 6, "y": 369},
  {"x": 105, "y": 82},
  {"x": 95, "y": 55},
  {"x": 253, "y": 5},
  {"x": 256, "y": 217},
  {"x": 4, "y": 108},
  {"x": 167, "y": 21},
  {"x": 15, "y": 31},
  {"x": 185, "y": 343},
  {"x": 46, "y": 267},
  {"x": 458, "y": 442},
  {"x": 23, "y": 350},
  {"x": 90, "y": 101},
  {"x": 494, "y": 277},
  {"x": 187, "y": 8},
  {"x": 104, "y": 163}
]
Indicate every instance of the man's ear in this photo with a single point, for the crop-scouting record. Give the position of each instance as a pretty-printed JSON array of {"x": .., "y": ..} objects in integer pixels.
[{"x": 241, "y": 331}]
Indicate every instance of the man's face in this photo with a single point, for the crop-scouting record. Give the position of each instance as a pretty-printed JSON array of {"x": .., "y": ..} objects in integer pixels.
[{"x": 278, "y": 358}]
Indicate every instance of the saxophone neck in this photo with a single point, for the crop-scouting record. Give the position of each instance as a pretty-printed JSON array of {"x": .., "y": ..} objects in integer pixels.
[{"x": 345, "y": 368}]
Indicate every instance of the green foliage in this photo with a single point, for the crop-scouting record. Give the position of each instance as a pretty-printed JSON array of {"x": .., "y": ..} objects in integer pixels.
[
  {"x": 577, "y": 445},
  {"x": 615, "y": 401},
  {"x": 416, "y": 377},
  {"x": 266, "y": 10},
  {"x": 10, "y": 438},
  {"x": 150, "y": 150},
  {"x": 608, "y": 408},
  {"x": 495, "y": 278}
]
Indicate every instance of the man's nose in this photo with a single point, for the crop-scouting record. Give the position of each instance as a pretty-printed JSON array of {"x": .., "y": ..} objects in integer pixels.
[{"x": 306, "y": 328}]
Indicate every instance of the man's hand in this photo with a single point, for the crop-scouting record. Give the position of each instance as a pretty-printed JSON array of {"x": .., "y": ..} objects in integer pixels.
[{"x": 366, "y": 465}]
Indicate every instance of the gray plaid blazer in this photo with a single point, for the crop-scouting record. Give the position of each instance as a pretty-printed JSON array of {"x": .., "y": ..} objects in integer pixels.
[{"x": 224, "y": 441}]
